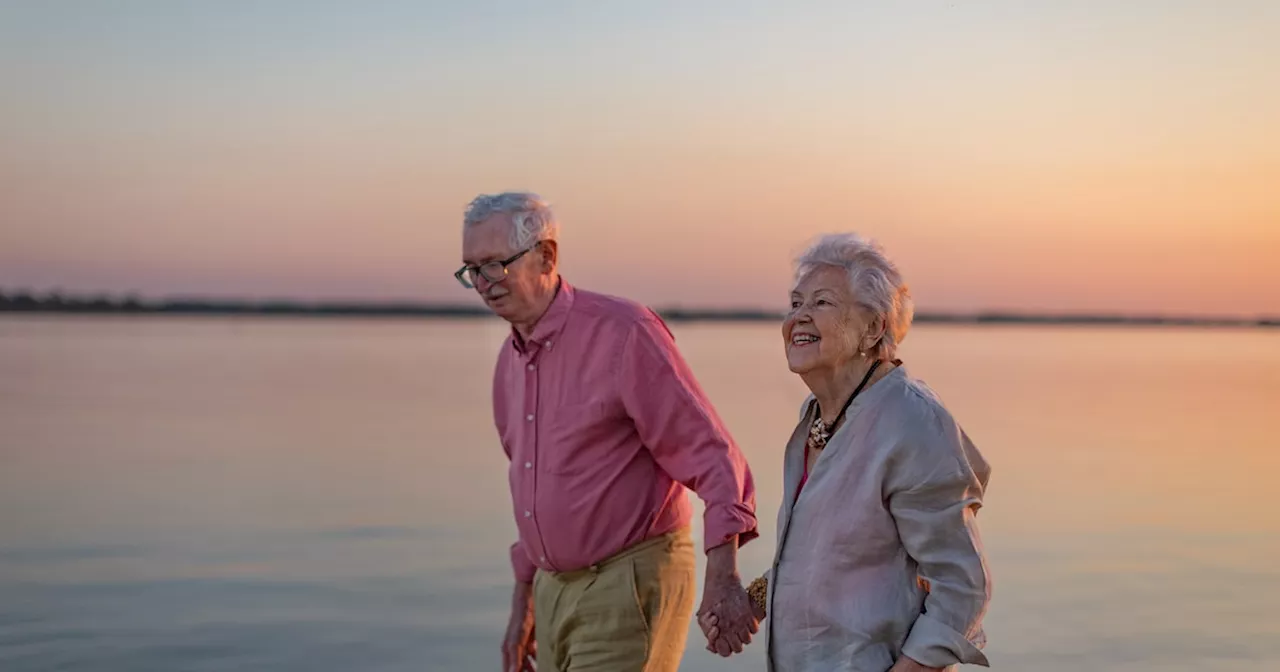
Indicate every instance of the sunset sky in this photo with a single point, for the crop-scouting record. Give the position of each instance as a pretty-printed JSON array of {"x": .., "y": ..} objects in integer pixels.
[{"x": 1021, "y": 155}]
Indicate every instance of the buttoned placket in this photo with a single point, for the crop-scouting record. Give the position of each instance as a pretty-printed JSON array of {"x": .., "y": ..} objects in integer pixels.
[{"x": 530, "y": 362}]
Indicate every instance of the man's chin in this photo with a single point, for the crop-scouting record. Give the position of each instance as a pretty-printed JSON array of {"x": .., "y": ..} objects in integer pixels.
[{"x": 502, "y": 307}]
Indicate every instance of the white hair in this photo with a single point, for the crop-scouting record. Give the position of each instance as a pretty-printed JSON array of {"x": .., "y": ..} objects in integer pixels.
[
  {"x": 531, "y": 216},
  {"x": 877, "y": 285}
]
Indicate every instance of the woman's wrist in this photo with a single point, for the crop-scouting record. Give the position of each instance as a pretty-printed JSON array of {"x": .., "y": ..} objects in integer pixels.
[{"x": 758, "y": 591}]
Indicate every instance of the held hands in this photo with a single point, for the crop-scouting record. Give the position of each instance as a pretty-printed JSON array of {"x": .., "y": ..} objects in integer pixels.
[
  {"x": 725, "y": 601},
  {"x": 727, "y": 617}
]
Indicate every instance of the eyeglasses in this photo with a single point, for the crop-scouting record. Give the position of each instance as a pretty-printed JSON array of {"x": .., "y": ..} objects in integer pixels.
[{"x": 493, "y": 271}]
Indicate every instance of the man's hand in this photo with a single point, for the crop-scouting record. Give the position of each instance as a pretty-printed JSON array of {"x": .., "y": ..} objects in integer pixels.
[
  {"x": 710, "y": 623},
  {"x": 906, "y": 664},
  {"x": 726, "y": 615},
  {"x": 519, "y": 649}
]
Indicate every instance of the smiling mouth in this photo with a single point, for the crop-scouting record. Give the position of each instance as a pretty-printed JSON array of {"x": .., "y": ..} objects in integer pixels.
[{"x": 801, "y": 340}]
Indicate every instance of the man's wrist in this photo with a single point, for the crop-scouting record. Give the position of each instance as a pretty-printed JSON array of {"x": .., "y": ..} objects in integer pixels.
[{"x": 722, "y": 562}]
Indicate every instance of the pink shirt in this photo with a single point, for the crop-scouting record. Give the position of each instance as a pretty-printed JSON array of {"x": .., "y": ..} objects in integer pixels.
[{"x": 605, "y": 426}]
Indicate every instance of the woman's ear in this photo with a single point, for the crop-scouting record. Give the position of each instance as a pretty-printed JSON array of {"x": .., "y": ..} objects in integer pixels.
[{"x": 875, "y": 332}]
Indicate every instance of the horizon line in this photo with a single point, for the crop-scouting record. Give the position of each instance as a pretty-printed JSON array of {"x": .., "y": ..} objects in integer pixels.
[{"x": 132, "y": 304}]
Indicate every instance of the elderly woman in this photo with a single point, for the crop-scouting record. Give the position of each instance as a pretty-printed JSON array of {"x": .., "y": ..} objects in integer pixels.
[{"x": 878, "y": 563}]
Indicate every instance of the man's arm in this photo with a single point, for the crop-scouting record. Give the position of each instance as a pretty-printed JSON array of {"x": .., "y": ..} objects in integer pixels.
[
  {"x": 682, "y": 431},
  {"x": 687, "y": 439}
]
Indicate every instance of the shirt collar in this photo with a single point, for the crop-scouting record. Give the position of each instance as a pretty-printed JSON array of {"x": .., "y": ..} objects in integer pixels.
[{"x": 547, "y": 330}]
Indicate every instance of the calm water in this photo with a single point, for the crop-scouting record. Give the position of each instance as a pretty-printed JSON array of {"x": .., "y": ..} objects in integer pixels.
[{"x": 226, "y": 494}]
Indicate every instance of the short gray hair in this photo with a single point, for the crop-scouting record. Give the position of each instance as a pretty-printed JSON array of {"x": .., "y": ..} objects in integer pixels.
[
  {"x": 531, "y": 216},
  {"x": 877, "y": 285}
]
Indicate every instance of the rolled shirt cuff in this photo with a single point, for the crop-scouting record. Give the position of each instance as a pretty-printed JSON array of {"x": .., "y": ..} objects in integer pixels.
[
  {"x": 934, "y": 644},
  {"x": 723, "y": 522}
]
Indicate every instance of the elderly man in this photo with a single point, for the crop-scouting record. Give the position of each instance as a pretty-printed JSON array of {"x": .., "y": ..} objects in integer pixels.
[{"x": 605, "y": 427}]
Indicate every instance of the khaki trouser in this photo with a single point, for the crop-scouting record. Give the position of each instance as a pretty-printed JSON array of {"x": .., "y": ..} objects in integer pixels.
[{"x": 629, "y": 612}]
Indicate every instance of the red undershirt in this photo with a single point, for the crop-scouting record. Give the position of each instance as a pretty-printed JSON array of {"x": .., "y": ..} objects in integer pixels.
[{"x": 805, "y": 476}]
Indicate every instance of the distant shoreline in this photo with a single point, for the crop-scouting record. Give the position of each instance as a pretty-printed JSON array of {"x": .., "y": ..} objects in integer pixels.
[{"x": 26, "y": 304}]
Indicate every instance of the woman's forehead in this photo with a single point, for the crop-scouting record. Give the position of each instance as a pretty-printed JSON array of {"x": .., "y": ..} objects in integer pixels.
[{"x": 831, "y": 278}]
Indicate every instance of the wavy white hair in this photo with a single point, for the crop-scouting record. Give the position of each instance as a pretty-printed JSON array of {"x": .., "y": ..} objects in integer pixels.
[
  {"x": 877, "y": 285},
  {"x": 531, "y": 216}
]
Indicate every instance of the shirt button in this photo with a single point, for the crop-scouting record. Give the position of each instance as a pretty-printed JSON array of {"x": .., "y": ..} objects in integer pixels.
[
  {"x": 548, "y": 344},
  {"x": 542, "y": 558},
  {"x": 529, "y": 418},
  {"x": 528, "y": 514},
  {"x": 528, "y": 465},
  {"x": 532, "y": 367}
]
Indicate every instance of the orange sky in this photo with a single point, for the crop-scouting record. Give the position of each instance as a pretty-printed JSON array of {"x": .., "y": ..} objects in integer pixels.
[{"x": 1026, "y": 156}]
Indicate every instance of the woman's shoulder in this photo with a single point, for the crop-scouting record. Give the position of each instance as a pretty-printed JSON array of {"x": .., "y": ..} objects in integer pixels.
[
  {"x": 929, "y": 436},
  {"x": 912, "y": 404}
]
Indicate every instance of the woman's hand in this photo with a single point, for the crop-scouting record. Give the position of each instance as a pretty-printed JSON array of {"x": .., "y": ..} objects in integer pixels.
[
  {"x": 709, "y": 624},
  {"x": 906, "y": 664},
  {"x": 709, "y": 621}
]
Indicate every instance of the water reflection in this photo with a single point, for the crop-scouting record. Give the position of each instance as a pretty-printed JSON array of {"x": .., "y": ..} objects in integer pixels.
[{"x": 325, "y": 495}]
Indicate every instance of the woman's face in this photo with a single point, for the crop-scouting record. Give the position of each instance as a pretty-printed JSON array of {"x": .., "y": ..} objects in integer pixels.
[{"x": 825, "y": 325}]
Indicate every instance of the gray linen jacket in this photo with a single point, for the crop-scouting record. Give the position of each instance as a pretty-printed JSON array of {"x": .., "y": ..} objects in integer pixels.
[{"x": 880, "y": 556}]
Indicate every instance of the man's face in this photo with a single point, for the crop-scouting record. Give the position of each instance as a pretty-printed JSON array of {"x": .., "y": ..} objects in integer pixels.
[{"x": 513, "y": 297}]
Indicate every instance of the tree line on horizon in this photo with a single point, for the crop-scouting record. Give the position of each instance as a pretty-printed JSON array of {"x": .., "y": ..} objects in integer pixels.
[{"x": 24, "y": 301}]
